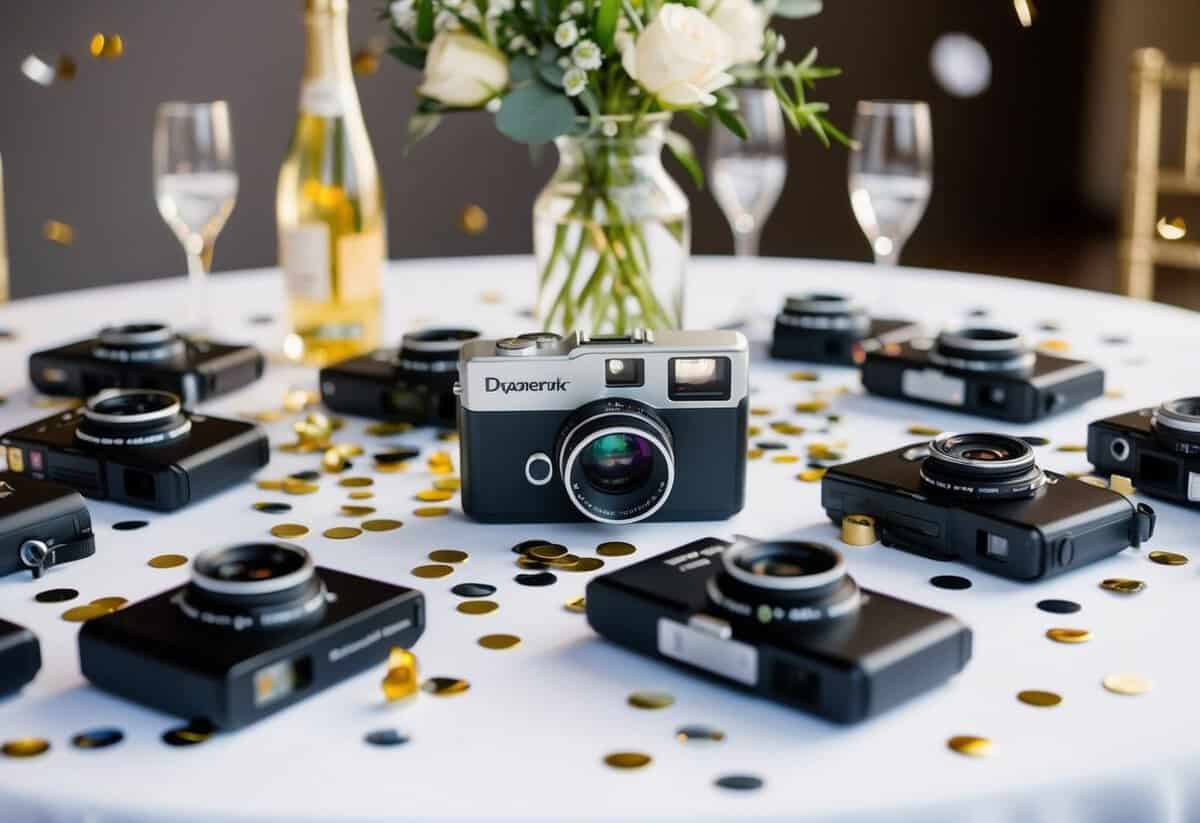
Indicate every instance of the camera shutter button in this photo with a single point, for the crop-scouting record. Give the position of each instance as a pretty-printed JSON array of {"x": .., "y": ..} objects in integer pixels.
[
  {"x": 516, "y": 347},
  {"x": 539, "y": 469}
]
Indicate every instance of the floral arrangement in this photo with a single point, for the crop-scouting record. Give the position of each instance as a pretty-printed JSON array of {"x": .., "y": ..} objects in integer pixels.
[{"x": 553, "y": 68}]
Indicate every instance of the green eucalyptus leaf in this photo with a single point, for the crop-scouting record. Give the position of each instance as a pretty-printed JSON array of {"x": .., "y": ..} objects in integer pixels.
[
  {"x": 683, "y": 152},
  {"x": 698, "y": 117},
  {"x": 425, "y": 20},
  {"x": 520, "y": 70},
  {"x": 535, "y": 113},
  {"x": 606, "y": 24},
  {"x": 409, "y": 55},
  {"x": 589, "y": 101},
  {"x": 420, "y": 126},
  {"x": 796, "y": 9},
  {"x": 732, "y": 121},
  {"x": 552, "y": 74}
]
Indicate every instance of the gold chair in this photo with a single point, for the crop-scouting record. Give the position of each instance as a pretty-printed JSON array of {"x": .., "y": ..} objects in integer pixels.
[{"x": 1145, "y": 180}]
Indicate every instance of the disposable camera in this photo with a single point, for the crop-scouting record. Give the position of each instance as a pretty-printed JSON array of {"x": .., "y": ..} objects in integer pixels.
[
  {"x": 611, "y": 429},
  {"x": 831, "y": 328},
  {"x": 781, "y": 619},
  {"x": 139, "y": 447},
  {"x": 1157, "y": 448},
  {"x": 412, "y": 384},
  {"x": 982, "y": 499},
  {"x": 146, "y": 356},
  {"x": 41, "y": 525},
  {"x": 983, "y": 371},
  {"x": 20, "y": 657},
  {"x": 257, "y": 629}
]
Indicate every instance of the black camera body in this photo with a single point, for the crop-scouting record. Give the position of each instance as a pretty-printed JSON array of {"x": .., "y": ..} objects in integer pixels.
[
  {"x": 1157, "y": 448},
  {"x": 733, "y": 611},
  {"x": 206, "y": 650},
  {"x": 138, "y": 447},
  {"x": 20, "y": 657},
  {"x": 412, "y": 384},
  {"x": 832, "y": 329},
  {"x": 612, "y": 429},
  {"x": 146, "y": 356},
  {"x": 982, "y": 371},
  {"x": 41, "y": 525},
  {"x": 1006, "y": 516}
]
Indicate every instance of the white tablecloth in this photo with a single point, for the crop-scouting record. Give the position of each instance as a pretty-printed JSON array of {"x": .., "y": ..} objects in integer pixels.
[{"x": 527, "y": 740}]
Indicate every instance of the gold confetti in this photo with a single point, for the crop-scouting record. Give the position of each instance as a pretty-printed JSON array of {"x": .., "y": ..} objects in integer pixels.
[
  {"x": 1055, "y": 345},
  {"x": 25, "y": 747},
  {"x": 364, "y": 62},
  {"x": 289, "y": 530},
  {"x": 1069, "y": 635},
  {"x": 432, "y": 571},
  {"x": 270, "y": 485},
  {"x": 563, "y": 561},
  {"x": 447, "y": 484},
  {"x": 1130, "y": 684},
  {"x": 433, "y": 496},
  {"x": 526, "y": 562},
  {"x": 355, "y": 482},
  {"x": 499, "y": 641},
  {"x": 687, "y": 734},
  {"x": 789, "y": 429},
  {"x": 1124, "y": 585},
  {"x": 550, "y": 551},
  {"x": 391, "y": 468},
  {"x": 167, "y": 561},
  {"x": 785, "y": 458},
  {"x": 361, "y": 495},
  {"x": 342, "y": 532},
  {"x": 858, "y": 530},
  {"x": 1036, "y": 697},
  {"x": 576, "y": 604},
  {"x": 388, "y": 428},
  {"x": 65, "y": 68},
  {"x": 473, "y": 221},
  {"x": 491, "y": 297},
  {"x": 357, "y": 511},
  {"x": 297, "y": 400},
  {"x": 924, "y": 431},
  {"x": 1168, "y": 558},
  {"x": 81, "y": 614},
  {"x": 812, "y": 406},
  {"x": 804, "y": 376},
  {"x": 970, "y": 745},
  {"x": 753, "y": 431},
  {"x": 333, "y": 461},
  {"x": 478, "y": 606},
  {"x": 615, "y": 548},
  {"x": 651, "y": 700},
  {"x": 58, "y": 232},
  {"x": 402, "y": 677},
  {"x": 445, "y": 686},
  {"x": 448, "y": 556},
  {"x": 627, "y": 760},
  {"x": 108, "y": 47},
  {"x": 761, "y": 411},
  {"x": 1072, "y": 447},
  {"x": 431, "y": 511},
  {"x": 584, "y": 564},
  {"x": 1114, "y": 393},
  {"x": 294, "y": 486},
  {"x": 110, "y": 603},
  {"x": 381, "y": 525},
  {"x": 754, "y": 454},
  {"x": 811, "y": 475},
  {"x": 1173, "y": 229},
  {"x": 1092, "y": 480}
]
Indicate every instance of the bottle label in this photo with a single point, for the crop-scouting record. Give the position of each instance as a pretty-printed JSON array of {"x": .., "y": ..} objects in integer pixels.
[
  {"x": 322, "y": 98},
  {"x": 304, "y": 256},
  {"x": 360, "y": 265}
]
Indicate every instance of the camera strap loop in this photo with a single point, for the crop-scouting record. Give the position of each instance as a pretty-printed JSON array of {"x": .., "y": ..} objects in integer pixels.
[{"x": 1142, "y": 528}]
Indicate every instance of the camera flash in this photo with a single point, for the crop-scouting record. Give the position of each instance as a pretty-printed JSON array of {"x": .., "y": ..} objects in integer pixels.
[{"x": 615, "y": 367}]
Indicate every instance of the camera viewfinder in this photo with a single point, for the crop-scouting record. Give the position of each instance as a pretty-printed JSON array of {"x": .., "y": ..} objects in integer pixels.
[
  {"x": 699, "y": 378},
  {"x": 624, "y": 372}
]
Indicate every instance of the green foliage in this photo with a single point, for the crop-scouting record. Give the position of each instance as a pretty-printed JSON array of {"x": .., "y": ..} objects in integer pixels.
[
  {"x": 796, "y": 9},
  {"x": 535, "y": 113},
  {"x": 606, "y": 24},
  {"x": 685, "y": 154},
  {"x": 409, "y": 55},
  {"x": 425, "y": 21}
]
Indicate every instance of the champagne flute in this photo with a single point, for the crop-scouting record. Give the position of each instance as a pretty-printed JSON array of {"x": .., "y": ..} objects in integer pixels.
[
  {"x": 747, "y": 175},
  {"x": 891, "y": 173},
  {"x": 195, "y": 184}
]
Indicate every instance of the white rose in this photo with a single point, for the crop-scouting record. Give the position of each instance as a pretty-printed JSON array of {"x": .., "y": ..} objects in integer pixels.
[
  {"x": 745, "y": 23},
  {"x": 680, "y": 58},
  {"x": 461, "y": 70},
  {"x": 404, "y": 14}
]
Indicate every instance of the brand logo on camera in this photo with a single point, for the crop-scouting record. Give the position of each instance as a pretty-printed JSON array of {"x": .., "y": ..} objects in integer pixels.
[{"x": 494, "y": 384}]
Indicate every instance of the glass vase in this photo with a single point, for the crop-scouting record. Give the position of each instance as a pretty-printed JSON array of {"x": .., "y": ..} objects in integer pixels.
[{"x": 612, "y": 231}]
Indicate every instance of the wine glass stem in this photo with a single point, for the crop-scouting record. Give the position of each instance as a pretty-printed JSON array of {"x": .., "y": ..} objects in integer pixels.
[
  {"x": 890, "y": 259},
  {"x": 199, "y": 264},
  {"x": 745, "y": 243}
]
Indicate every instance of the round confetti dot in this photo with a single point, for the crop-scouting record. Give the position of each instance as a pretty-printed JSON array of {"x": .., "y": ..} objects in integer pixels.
[
  {"x": 260, "y": 319},
  {"x": 1123, "y": 585},
  {"x": 499, "y": 642},
  {"x": 386, "y": 738},
  {"x": 448, "y": 556},
  {"x": 1072, "y": 447},
  {"x": 307, "y": 476},
  {"x": 478, "y": 606},
  {"x": 382, "y": 525},
  {"x": 81, "y": 614},
  {"x": 970, "y": 745},
  {"x": 355, "y": 482},
  {"x": 699, "y": 734},
  {"x": 357, "y": 511},
  {"x": 433, "y": 495},
  {"x": 110, "y": 603},
  {"x": 549, "y": 551},
  {"x": 651, "y": 700},
  {"x": 25, "y": 747},
  {"x": 811, "y": 475},
  {"x": 361, "y": 495},
  {"x": 785, "y": 459},
  {"x": 740, "y": 782},
  {"x": 536, "y": 579},
  {"x": 1034, "y": 440},
  {"x": 433, "y": 571},
  {"x": 576, "y": 604},
  {"x": 1168, "y": 558},
  {"x": 627, "y": 760},
  {"x": 272, "y": 507},
  {"x": 585, "y": 564},
  {"x": 1069, "y": 635},
  {"x": 342, "y": 533},
  {"x": 530, "y": 563},
  {"x": 804, "y": 376},
  {"x": 98, "y": 738},
  {"x": 924, "y": 431},
  {"x": 950, "y": 581},
  {"x": 1130, "y": 684},
  {"x": 431, "y": 511},
  {"x": 615, "y": 549},
  {"x": 1036, "y": 697},
  {"x": 1055, "y": 606},
  {"x": 289, "y": 530},
  {"x": 474, "y": 590},
  {"x": 526, "y": 545},
  {"x": 445, "y": 686},
  {"x": 56, "y": 595},
  {"x": 772, "y": 445},
  {"x": 193, "y": 733},
  {"x": 130, "y": 525},
  {"x": 167, "y": 561}
]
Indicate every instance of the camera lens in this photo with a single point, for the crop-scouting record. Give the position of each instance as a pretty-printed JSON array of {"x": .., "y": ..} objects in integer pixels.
[
  {"x": 824, "y": 311},
  {"x": 1177, "y": 424},
  {"x": 983, "y": 349},
  {"x": 132, "y": 417},
  {"x": 433, "y": 350},
  {"x": 138, "y": 342},
  {"x": 253, "y": 585},
  {"x": 616, "y": 460},
  {"x": 784, "y": 581},
  {"x": 982, "y": 466}
]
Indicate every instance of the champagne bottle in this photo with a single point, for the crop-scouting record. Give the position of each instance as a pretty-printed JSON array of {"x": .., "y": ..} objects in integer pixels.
[{"x": 329, "y": 205}]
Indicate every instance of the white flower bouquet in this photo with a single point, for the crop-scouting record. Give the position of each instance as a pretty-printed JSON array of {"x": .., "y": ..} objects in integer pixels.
[{"x": 616, "y": 69}]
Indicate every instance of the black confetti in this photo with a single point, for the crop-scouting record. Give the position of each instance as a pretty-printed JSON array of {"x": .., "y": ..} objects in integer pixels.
[
  {"x": 525, "y": 545},
  {"x": 1049, "y": 326},
  {"x": 1059, "y": 606},
  {"x": 536, "y": 579},
  {"x": 950, "y": 581},
  {"x": 130, "y": 525},
  {"x": 260, "y": 319},
  {"x": 772, "y": 445},
  {"x": 474, "y": 590},
  {"x": 740, "y": 782},
  {"x": 98, "y": 738},
  {"x": 1034, "y": 440},
  {"x": 273, "y": 508},
  {"x": 386, "y": 737},
  {"x": 400, "y": 454},
  {"x": 978, "y": 312},
  {"x": 307, "y": 476},
  {"x": 195, "y": 731},
  {"x": 1115, "y": 339},
  {"x": 56, "y": 595}
]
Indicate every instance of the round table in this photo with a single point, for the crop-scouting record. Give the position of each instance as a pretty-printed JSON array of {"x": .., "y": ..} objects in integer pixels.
[{"x": 527, "y": 741}]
